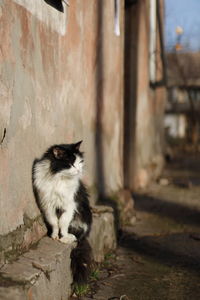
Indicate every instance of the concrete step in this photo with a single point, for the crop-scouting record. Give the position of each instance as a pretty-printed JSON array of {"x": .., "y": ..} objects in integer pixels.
[{"x": 43, "y": 273}]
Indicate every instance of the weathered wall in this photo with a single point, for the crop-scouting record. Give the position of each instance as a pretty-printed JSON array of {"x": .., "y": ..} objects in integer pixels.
[
  {"x": 60, "y": 82},
  {"x": 144, "y": 106}
]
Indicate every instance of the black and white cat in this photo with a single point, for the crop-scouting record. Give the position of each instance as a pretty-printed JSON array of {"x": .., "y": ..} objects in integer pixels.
[{"x": 63, "y": 200}]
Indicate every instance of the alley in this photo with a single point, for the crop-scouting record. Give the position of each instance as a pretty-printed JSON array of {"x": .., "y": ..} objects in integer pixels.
[
  {"x": 119, "y": 79},
  {"x": 159, "y": 257}
]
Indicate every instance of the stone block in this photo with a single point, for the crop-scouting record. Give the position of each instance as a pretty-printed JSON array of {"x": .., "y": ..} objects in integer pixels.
[
  {"x": 21, "y": 239},
  {"x": 15, "y": 293},
  {"x": 127, "y": 212},
  {"x": 102, "y": 236},
  {"x": 43, "y": 273}
]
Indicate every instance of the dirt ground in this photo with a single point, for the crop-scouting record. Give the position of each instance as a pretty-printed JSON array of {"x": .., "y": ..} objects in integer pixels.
[{"x": 159, "y": 257}]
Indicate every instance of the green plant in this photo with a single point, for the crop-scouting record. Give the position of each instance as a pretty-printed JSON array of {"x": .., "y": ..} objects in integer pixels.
[
  {"x": 94, "y": 274},
  {"x": 108, "y": 259},
  {"x": 109, "y": 256},
  {"x": 81, "y": 289}
]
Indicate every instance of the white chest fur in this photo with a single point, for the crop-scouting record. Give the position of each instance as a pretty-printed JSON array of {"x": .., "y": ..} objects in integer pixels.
[{"x": 55, "y": 191}]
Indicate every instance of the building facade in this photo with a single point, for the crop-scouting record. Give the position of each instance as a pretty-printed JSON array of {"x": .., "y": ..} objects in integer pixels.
[{"x": 61, "y": 81}]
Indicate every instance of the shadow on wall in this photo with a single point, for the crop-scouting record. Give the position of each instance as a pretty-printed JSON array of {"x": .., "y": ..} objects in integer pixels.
[
  {"x": 103, "y": 199},
  {"x": 99, "y": 102},
  {"x": 130, "y": 88}
]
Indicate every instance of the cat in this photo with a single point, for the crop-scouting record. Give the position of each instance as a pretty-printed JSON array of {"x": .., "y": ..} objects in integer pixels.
[{"x": 64, "y": 202}]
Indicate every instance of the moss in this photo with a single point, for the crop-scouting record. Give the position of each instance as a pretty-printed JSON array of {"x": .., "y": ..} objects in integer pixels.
[
  {"x": 11, "y": 244},
  {"x": 14, "y": 237},
  {"x": 9, "y": 282},
  {"x": 28, "y": 222}
]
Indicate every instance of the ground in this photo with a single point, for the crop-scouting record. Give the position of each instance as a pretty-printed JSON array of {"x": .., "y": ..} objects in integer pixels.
[{"x": 159, "y": 257}]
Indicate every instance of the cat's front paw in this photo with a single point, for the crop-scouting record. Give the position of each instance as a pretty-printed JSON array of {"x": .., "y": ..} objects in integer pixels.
[
  {"x": 55, "y": 236},
  {"x": 68, "y": 239}
]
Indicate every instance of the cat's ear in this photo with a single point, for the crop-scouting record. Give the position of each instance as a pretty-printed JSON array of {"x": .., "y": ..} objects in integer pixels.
[
  {"x": 77, "y": 146},
  {"x": 58, "y": 152}
]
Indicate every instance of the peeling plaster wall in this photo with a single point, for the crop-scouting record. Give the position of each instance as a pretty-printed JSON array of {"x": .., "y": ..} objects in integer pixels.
[
  {"x": 49, "y": 83},
  {"x": 150, "y": 108},
  {"x": 144, "y": 106}
]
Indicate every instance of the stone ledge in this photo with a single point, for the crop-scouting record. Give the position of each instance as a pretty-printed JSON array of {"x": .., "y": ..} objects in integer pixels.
[
  {"x": 21, "y": 239},
  {"x": 102, "y": 237},
  {"x": 40, "y": 272},
  {"x": 44, "y": 272}
]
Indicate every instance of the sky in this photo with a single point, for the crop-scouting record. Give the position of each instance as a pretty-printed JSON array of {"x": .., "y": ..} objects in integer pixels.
[{"x": 184, "y": 13}]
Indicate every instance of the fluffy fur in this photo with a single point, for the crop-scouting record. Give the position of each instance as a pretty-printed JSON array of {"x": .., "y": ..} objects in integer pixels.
[{"x": 63, "y": 201}]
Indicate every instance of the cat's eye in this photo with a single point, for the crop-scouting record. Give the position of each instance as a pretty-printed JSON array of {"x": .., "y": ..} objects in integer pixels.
[{"x": 82, "y": 161}]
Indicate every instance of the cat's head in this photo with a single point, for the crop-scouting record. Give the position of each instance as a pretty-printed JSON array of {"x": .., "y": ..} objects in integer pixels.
[{"x": 66, "y": 159}]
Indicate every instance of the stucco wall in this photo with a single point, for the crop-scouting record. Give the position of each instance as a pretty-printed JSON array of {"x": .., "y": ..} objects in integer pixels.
[
  {"x": 150, "y": 108},
  {"x": 60, "y": 82},
  {"x": 144, "y": 106}
]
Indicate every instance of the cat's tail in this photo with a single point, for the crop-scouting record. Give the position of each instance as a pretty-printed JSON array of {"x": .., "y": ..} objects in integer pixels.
[{"x": 81, "y": 262}]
